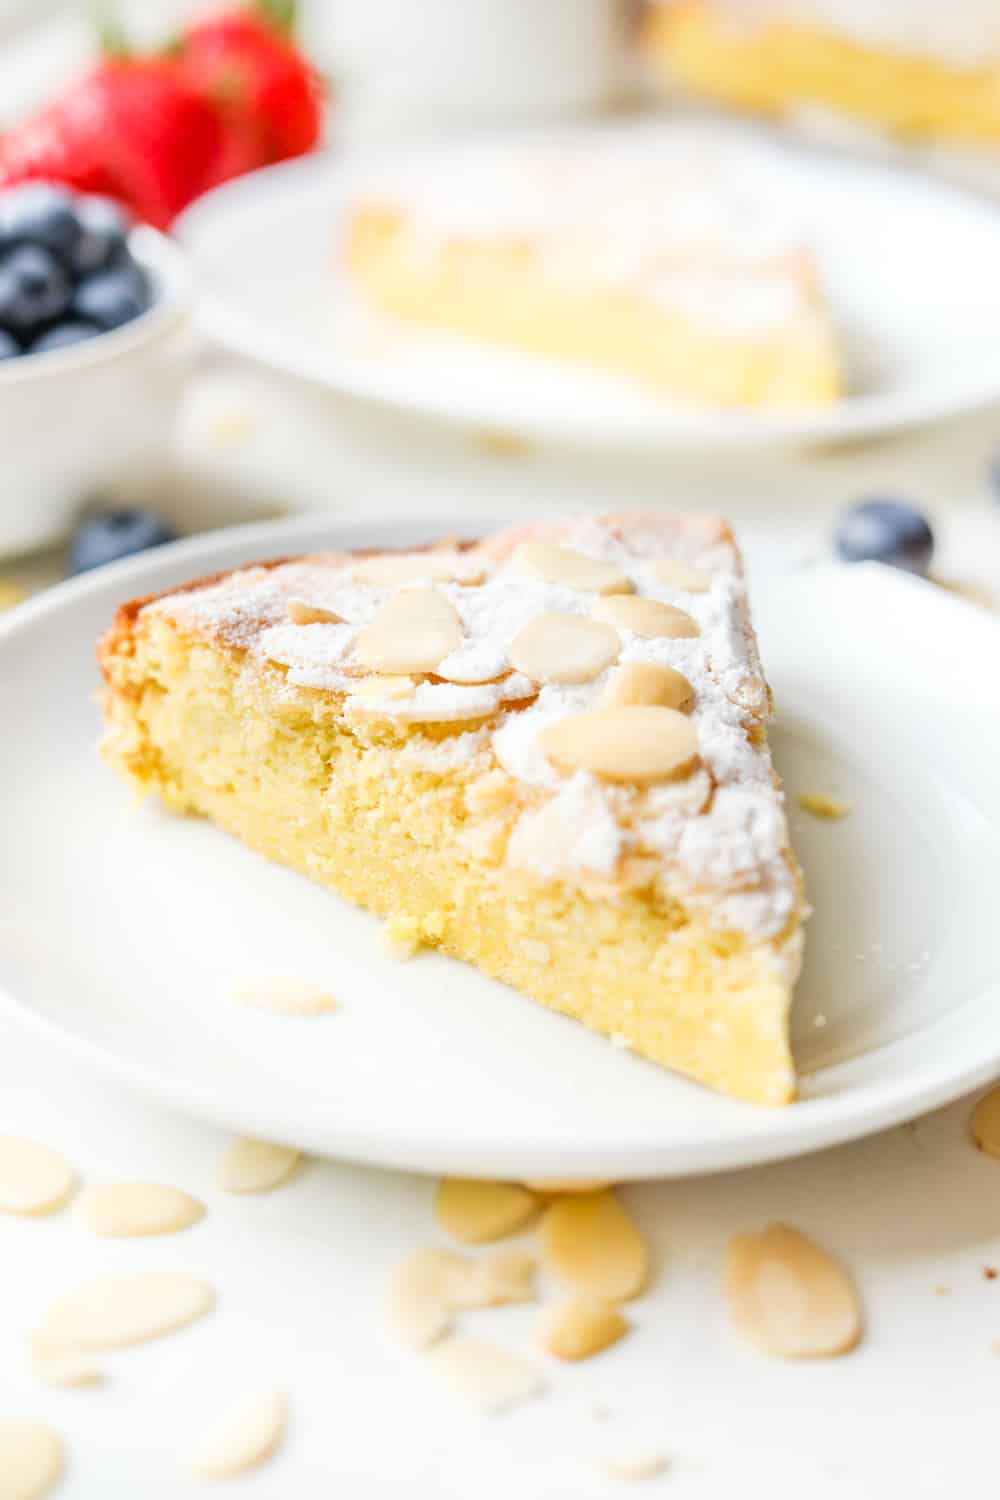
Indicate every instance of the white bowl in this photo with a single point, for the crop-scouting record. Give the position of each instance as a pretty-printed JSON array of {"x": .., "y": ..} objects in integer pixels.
[{"x": 80, "y": 419}]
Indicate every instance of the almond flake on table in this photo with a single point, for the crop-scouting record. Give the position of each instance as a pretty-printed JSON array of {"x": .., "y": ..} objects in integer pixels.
[
  {"x": 488, "y": 1377},
  {"x": 31, "y": 1460},
  {"x": 125, "y": 1209},
  {"x": 112, "y": 1312},
  {"x": 34, "y": 1179},
  {"x": 476, "y": 1212},
  {"x": 67, "y": 1371},
  {"x": 422, "y": 1294},
  {"x": 246, "y": 1436},
  {"x": 633, "y": 1468},
  {"x": 580, "y": 1327},
  {"x": 789, "y": 1296},
  {"x": 284, "y": 996},
  {"x": 985, "y": 1123},
  {"x": 252, "y": 1166},
  {"x": 591, "y": 1243}
]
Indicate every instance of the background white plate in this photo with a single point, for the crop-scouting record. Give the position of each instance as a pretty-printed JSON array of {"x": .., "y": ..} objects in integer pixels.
[
  {"x": 909, "y": 265},
  {"x": 122, "y": 929}
]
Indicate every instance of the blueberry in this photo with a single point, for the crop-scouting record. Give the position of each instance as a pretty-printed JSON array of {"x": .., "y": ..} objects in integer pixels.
[
  {"x": 40, "y": 213},
  {"x": 105, "y": 536},
  {"x": 63, "y": 336},
  {"x": 103, "y": 235},
  {"x": 9, "y": 347},
  {"x": 886, "y": 531},
  {"x": 34, "y": 289},
  {"x": 111, "y": 298}
]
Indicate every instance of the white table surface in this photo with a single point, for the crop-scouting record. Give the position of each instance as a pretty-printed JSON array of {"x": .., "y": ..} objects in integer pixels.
[{"x": 301, "y": 1273}]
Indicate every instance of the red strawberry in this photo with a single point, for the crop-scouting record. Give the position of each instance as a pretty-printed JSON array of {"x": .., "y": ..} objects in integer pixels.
[
  {"x": 131, "y": 128},
  {"x": 264, "y": 89}
]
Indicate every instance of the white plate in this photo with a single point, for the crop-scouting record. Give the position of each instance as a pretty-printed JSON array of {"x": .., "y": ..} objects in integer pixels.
[
  {"x": 909, "y": 264},
  {"x": 123, "y": 929}
]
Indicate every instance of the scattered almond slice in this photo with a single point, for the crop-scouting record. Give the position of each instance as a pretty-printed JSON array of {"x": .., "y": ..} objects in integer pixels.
[
  {"x": 633, "y": 744},
  {"x": 822, "y": 806},
  {"x": 476, "y": 1212},
  {"x": 390, "y": 687},
  {"x": 112, "y": 1312},
  {"x": 413, "y": 632},
  {"x": 647, "y": 618},
  {"x": 33, "y": 1178},
  {"x": 498, "y": 1279},
  {"x": 300, "y": 612},
  {"x": 245, "y": 1437},
  {"x": 252, "y": 1166},
  {"x": 985, "y": 1123},
  {"x": 646, "y": 682},
  {"x": 591, "y": 1243},
  {"x": 564, "y": 648},
  {"x": 680, "y": 575},
  {"x": 120, "y": 1209},
  {"x": 488, "y": 1377},
  {"x": 397, "y": 569},
  {"x": 422, "y": 1293},
  {"x": 633, "y": 1468},
  {"x": 66, "y": 1371},
  {"x": 31, "y": 1460},
  {"x": 582, "y": 1326},
  {"x": 556, "y": 1188},
  {"x": 789, "y": 1297},
  {"x": 284, "y": 995},
  {"x": 572, "y": 569}
]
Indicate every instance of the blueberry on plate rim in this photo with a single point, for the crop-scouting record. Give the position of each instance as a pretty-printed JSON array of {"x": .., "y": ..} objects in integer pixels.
[
  {"x": 106, "y": 536},
  {"x": 885, "y": 531}
]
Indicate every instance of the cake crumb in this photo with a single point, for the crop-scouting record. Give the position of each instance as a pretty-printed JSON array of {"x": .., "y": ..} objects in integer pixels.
[
  {"x": 990, "y": 1273},
  {"x": 822, "y": 806}
]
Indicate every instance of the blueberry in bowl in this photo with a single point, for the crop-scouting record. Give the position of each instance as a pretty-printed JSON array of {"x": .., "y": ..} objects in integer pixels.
[
  {"x": 95, "y": 348},
  {"x": 106, "y": 536},
  {"x": 885, "y": 531},
  {"x": 65, "y": 258}
]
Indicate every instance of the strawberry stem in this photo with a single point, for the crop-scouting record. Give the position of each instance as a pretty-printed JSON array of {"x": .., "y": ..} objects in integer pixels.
[
  {"x": 280, "y": 15},
  {"x": 111, "y": 34}
]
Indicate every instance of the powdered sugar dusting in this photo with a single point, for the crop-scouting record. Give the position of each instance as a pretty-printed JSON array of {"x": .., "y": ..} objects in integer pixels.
[{"x": 719, "y": 836}]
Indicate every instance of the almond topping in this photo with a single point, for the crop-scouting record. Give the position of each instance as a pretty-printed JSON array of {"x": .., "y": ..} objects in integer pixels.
[
  {"x": 300, "y": 612},
  {"x": 123, "y": 1209},
  {"x": 789, "y": 1297},
  {"x": 476, "y": 1212},
  {"x": 647, "y": 618},
  {"x": 246, "y": 1436},
  {"x": 635, "y": 743},
  {"x": 591, "y": 1243},
  {"x": 31, "y": 1460},
  {"x": 378, "y": 686},
  {"x": 111, "y": 1312},
  {"x": 250, "y": 1166},
  {"x": 33, "y": 1178},
  {"x": 572, "y": 569},
  {"x": 395, "y": 569},
  {"x": 564, "y": 648},
  {"x": 985, "y": 1124},
  {"x": 645, "y": 682},
  {"x": 413, "y": 632},
  {"x": 582, "y": 1326},
  {"x": 680, "y": 575},
  {"x": 490, "y": 1378},
  {"x": 822, "y": 806}
]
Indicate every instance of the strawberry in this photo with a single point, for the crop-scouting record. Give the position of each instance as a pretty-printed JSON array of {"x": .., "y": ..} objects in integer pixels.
[
  {"x": 131, "y": 128},
  {"x": 267, "y": 95}
]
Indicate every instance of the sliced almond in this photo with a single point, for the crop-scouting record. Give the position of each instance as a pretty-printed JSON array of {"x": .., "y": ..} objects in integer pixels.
[
  {"x": 284, "y": 995},
  {"x": 413, "y": 632},
  {"x": 985, "y": 1123},
  {"x": 31, "y": 1460},
  {"x": 564, "y": 648},
  {"x": 555, "y": 1187},
  {"x": 680, "y": 575},
  {"x": 112, "y": 1312},
  {"x": 423, "y": 1290},
  {"x": 502, "y": 1277},
  {"x": 582, "y": 1326},
  {"x": 476, "y": 1212},
  {"x": 490, "y": 1378},
  {"x": 647, "y": 682},
  {"x": 378, "y": 686},
  {"x": 33, "y": 1178},
  {"x": 246, "y": 1436},
  {"x": 820, "y": 805},
  {"x": 398, "y": 568},
  {"x": 647, "y": 618},
  {"x": 251, "y": 1166},
  {"x": 591, "y": 1243},
  {"x": 122, "y": 1209},
  {"x": 300, "y": 612},
  {"x": 66, "y": 1371},
  {"x": 789, "y": 1297},
  {"x": 633, "y": 1468},
  {"x": 572, "y": 569},
  {"x": 631, "y": 744}
]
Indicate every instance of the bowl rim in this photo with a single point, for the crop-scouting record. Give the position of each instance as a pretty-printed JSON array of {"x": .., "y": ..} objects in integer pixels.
[{"x": 167, "y": 264}]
